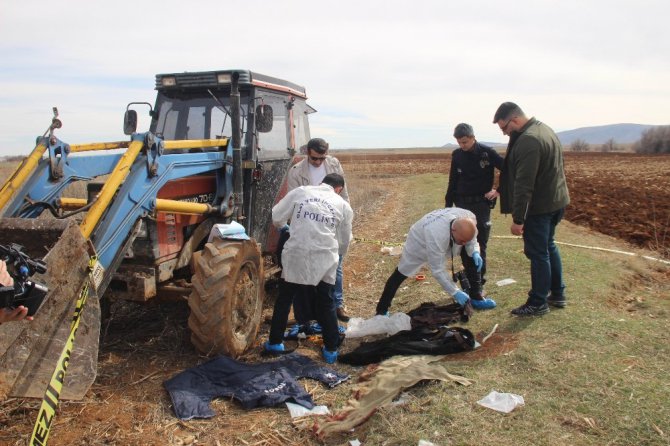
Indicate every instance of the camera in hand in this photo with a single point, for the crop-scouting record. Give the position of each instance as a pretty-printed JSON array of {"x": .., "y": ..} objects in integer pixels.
[
  {"x": 463, "y": 281},
  {"x": 21, "y": 267}
]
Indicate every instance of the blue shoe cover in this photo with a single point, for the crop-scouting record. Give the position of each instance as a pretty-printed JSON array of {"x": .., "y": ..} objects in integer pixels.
[
  {"x": 484, "y": 304},
  {"x": 329, "y": 357},
  {"x": 313, "y": 329},
  {"x": 292, "y": 333},
  {"x": 273, "y": 347},
  {"x": 341, "y": 329}
]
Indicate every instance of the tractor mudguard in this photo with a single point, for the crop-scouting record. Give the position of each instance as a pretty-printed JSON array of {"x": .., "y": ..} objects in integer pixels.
[{"x": 29, "y": 351}]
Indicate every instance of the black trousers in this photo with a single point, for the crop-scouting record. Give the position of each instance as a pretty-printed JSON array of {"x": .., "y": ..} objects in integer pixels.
[
  {"x": 323, "y": 308},
  {"x": 391, "y": 287},
  {"x": 483, "y": 213}
]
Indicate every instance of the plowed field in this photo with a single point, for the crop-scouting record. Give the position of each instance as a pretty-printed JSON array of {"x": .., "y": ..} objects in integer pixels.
[
  {"x": 619, "y": 194},
  {"x": 622, "y": 195}
]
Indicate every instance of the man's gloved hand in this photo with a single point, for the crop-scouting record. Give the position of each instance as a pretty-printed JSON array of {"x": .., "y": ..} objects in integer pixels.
[
  {"x": 284, "y": 228},
  {"x": 479, "y": 262},
  {"x": 461, "y": 298}
]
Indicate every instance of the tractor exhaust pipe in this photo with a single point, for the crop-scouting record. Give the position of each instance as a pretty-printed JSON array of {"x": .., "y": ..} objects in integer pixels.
[{"x": 237, "y": 146}]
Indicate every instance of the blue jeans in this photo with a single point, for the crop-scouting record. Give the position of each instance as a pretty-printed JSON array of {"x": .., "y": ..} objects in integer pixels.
[
  {"x": 546, "y": 271},
  {"x": 337, "y": 291}
]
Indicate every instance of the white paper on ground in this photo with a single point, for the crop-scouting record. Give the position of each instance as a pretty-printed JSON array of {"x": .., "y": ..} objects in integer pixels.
[
  {"x": 425, "y": 443},
  {"x": 502, "y": 402},
  {"x": 296, "y": 410},
  {"x": 392, "y": 250},
  {"x": 390, "y": 325},
  {"x": 354, "y": 443},
  {"x": 505, "y": 282}
]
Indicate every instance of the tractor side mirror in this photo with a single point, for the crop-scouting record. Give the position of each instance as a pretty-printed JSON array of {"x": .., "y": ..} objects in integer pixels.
[
  {"x": 130, "y": 122},
  {"x": 264, "y": 118}
]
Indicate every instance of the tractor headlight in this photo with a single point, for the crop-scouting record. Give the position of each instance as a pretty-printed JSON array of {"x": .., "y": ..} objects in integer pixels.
[
  {"x": 169, "y": 81},
  {"x": 223, "y": 78}
]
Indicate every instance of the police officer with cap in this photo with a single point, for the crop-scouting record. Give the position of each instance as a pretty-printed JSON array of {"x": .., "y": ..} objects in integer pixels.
[{"x": 471, "y": 187}]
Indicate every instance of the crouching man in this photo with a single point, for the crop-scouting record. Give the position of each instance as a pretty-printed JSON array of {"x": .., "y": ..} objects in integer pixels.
[
  {"x": 320, "y": 233},
  {"x": 438, "y": 236}
]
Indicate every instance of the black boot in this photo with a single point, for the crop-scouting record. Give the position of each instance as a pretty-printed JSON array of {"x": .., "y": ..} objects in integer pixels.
[
  {"x": 476, "y": 287},
  {"x": 477, "y": 298}
]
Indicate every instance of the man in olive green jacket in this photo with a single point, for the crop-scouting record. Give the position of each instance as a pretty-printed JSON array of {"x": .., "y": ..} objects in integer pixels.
[{"x": 534, "y": 190}]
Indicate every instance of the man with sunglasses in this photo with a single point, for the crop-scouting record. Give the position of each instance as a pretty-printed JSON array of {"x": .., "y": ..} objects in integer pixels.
[
  {"x": 310, "y": 172},
  {"x": 534, "y": 190},
  {"x": 471, "y": 187}
]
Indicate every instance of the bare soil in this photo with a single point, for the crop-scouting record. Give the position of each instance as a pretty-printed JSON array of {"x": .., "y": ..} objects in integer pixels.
[
  {"x": 143, "y": 345},
  {"x": 624, "y": 195}
]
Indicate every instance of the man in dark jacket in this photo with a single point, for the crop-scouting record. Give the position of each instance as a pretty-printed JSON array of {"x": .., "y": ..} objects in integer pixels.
[
  {"x": 471, "y": 187},
  {"x": 534, "y": 190}
]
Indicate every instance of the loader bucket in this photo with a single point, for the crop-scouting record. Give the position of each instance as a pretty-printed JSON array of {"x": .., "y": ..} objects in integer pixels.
[{"x": 29, "y": 351}]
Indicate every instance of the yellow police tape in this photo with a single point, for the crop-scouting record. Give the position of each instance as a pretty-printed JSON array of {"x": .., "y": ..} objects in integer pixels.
[
  {"x": 52, "y": 394},
  {"x": 377, "y": 242}
]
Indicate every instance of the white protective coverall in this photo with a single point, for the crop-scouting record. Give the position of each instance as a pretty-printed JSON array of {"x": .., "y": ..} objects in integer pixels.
[
  {"x": 428, "y": 242},
  {"x": 320, "y": 232}
]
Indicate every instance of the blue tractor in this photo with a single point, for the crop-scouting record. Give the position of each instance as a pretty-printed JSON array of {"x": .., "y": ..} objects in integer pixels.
[{"x": 218, "y": 149}]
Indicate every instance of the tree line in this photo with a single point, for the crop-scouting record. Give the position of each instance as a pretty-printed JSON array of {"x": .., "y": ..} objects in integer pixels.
[{"x": 653, "y": 140}]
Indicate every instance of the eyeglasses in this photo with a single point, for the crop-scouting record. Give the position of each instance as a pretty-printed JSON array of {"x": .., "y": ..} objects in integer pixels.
[
  {"x": 317, "y": 158},
  {"x": 504, "y": 127}
]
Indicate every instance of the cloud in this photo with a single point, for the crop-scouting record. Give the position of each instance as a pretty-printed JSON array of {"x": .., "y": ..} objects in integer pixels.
[{"x": 380, "y": 73}]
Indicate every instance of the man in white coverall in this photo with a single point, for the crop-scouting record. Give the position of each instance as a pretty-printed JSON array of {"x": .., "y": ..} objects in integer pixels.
[
  {"x": 320, "y": 233},
  {"x": 438, "y": 235},
  {"x": 310, "y": 171}
]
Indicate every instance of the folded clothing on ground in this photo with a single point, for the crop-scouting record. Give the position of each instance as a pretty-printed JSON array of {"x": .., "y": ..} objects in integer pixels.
[{"x": 252, "y": 384}]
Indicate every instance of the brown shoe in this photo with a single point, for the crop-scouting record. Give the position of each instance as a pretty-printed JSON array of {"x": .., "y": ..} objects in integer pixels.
[{"x": 341, "y": 315}]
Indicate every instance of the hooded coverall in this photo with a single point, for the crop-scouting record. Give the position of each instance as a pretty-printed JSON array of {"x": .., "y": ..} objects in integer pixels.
[{"x": 320, "y": 232}]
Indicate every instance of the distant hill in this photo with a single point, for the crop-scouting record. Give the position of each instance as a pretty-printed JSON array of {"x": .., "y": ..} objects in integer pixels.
[
  {"x": 495, "y": 145},
  {"x": 599, "y": 134},
  {"x": 621, "y": 133}
]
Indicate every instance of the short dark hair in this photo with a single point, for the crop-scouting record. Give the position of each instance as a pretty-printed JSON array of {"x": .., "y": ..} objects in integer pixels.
[
  {"x": 462, "y": 130},
  {"x": 319, "y": 145},
  {"x": 507, "y": 110},
  {"x": 333, "y": 179}
]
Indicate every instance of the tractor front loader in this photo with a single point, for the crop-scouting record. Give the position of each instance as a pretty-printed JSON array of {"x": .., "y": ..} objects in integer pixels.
[{"x": 218, "y": 149}]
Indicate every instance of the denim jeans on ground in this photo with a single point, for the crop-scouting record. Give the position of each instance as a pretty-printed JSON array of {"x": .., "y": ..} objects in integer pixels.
[
  {"x": 546, "y": 271},
  {"x": 337, "y": 293}
]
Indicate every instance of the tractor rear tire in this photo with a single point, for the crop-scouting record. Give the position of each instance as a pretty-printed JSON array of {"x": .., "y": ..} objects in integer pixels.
[{"x": 226, "y": 300}]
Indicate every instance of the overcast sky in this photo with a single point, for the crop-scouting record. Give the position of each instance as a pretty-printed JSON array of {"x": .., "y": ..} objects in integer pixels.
[{"x": 380, "y": 73}]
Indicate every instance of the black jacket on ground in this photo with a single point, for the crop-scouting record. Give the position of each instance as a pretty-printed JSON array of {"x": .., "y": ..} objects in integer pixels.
[{"x": 421, "y": 341}]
